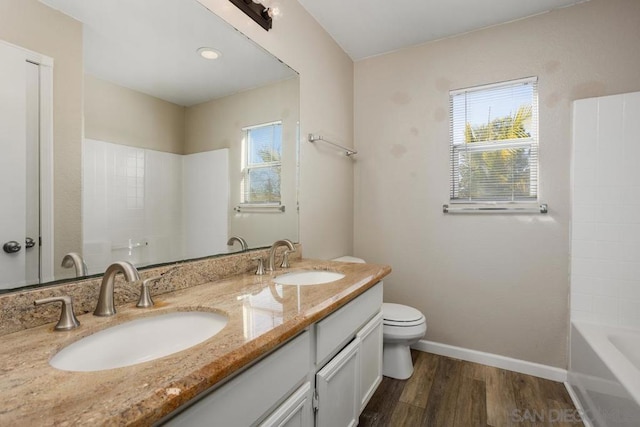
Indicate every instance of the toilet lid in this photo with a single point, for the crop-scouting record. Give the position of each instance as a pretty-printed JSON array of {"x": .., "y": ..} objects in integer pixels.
[{"x": 401, "y": 315}]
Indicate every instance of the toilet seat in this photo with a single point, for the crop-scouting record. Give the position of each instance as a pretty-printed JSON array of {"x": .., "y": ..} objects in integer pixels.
[{"x": 401, "y": 315}]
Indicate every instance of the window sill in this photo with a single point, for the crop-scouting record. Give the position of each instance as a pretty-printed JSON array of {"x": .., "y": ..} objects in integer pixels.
[
  {"x": 495, "y": 208},
  {"x": 259, "y": 208}
]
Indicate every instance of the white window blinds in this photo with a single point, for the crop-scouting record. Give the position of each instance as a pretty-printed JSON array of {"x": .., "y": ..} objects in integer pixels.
[{"x": 494, "y": 142}]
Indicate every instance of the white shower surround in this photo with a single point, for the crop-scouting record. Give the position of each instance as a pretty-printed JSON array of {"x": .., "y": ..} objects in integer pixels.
[
  {"x": 167, "y": 206},
  {"x": 604, "y": 369},
  {"x": 605, "y": 235}
]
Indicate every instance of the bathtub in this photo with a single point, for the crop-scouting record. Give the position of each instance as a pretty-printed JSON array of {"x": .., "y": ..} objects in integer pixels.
[{"x": 604, "y": 374}]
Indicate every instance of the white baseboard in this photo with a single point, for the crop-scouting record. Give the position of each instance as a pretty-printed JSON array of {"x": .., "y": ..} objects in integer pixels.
[{"x": 495, "y": 360}]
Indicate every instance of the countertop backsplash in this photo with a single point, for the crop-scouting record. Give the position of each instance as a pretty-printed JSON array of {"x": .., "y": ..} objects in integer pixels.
[{"x": 17, "y": 311}]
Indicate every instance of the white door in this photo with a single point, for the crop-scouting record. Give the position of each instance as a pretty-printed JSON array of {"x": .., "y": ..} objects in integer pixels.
[
  {"x": 338, "y": 391},
  {"x": 19, "y": 169},
  {"x": 13, "y": 126}
]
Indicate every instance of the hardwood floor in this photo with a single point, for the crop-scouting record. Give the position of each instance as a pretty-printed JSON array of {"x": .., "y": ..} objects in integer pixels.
[{"x": 448, "y": 392}]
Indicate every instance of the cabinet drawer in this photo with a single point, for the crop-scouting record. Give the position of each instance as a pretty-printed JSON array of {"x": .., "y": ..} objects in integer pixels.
[
  {"x": 246, "y": 398},
  {"x": 339, "y": 328}
]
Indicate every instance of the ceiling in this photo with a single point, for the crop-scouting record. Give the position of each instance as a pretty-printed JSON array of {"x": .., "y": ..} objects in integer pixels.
[
  {"x": 366, "y": 28},
  {"x": 152, "y": 49}
]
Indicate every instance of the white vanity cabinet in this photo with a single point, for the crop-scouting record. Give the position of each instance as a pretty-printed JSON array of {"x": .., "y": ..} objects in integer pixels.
[
  {"x": 341, "y": 353},
  {"x": 347, "y": 381}
]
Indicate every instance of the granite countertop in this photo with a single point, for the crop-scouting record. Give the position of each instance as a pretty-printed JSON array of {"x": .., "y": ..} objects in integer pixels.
[{"x": 261, "y": 315}]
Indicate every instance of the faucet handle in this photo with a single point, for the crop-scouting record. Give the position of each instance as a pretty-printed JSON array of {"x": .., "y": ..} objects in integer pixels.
[
  {"x": 145, "y": 300},
  {"x": 260, "y": 268},
  {"x": 285, "y": 259},
  {"x": 68, "y": 319}
]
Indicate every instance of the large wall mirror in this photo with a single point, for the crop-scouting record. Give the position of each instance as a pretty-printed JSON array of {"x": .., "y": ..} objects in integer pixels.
[{"x": 143, "y": 131}]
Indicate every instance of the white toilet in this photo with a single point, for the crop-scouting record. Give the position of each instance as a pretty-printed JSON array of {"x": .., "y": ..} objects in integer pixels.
[{"x": 402, "y": 327}]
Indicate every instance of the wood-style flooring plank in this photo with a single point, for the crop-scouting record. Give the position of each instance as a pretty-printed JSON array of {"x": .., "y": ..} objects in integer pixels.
[
  {"x": 382, "y": 404},
  {"x": 500, "y": 399},
  {"x": 475, "y": 370},
  {"x": 471, "y": 406},
  {"x": 527, "y": 394},
  {"x": 417, "y": 388},
  {"x": 448, "y": 392},
  {"x": 556, "y": 391},
  {"x": 406, "y": 415},
  {"x": 441, "y": 407}
]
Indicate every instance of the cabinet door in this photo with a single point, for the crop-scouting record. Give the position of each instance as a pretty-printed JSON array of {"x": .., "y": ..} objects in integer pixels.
[
  {"x": 337, "y": 385},
  {"x": 294, "y": 412},
  {"x": 370, "y": 359}
]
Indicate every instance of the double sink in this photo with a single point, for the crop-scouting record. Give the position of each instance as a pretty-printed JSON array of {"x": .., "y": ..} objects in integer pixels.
[{"x": 145, "y": 339}]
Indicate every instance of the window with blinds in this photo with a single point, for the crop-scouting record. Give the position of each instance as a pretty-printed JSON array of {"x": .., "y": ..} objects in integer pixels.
[
  {"x": 262, "y": 164},
  {"x": 494, "y": 142}
]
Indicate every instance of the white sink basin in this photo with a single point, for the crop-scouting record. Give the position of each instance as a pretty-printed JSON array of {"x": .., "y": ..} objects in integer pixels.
[
  {"x": 310, "y": 277},
  {"x": 139, "y": 341}
]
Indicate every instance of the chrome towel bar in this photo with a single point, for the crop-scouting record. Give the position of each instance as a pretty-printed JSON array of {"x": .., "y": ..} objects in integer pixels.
[
  {"x": 313, "y": 138},
  {"x": 543, "y": 209},
  {"x": 130, "y": 245}
]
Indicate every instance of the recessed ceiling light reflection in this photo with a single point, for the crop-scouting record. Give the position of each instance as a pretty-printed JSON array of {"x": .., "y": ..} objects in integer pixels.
[{"x": 209, "y": 53}]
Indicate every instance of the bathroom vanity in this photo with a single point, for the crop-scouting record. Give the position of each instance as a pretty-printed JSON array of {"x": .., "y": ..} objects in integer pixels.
[
  {"x": 342, "y": 351},
  {"x": 288, "y": 355}
]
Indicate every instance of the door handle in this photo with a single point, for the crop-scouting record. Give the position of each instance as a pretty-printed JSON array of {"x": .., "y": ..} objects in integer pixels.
[
  {"x": 11, "y": 247},
  {"x": 29, "y": 242}
]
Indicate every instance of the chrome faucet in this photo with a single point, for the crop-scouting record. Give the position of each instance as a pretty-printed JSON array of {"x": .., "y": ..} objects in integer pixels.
[
  {"x": 105, "y": 305},
  {"x": 272, "y": 252},
  {"x": 243, "y": 243},
  {"x": 74, "y": 259}
]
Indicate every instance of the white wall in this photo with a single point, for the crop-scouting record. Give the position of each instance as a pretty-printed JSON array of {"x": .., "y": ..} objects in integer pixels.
[
  {"x": 326, "y": 107},
  {"x": 605, "y": 257},
  {"x": 164, "y": 212},
  {"x": 206, "y": 203},
  {"x": 493, "y": 283}
]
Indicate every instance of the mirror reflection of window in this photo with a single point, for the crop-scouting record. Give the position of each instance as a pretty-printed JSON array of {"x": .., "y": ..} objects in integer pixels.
[{"x": 262, "y": 164}]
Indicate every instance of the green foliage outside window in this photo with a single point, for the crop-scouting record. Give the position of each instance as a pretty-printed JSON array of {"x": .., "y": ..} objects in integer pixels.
[{"x": 496, "y": 171}]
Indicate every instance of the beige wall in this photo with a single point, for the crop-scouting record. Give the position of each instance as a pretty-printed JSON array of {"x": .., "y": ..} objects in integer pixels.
[
  {"x": 33, "y": 26},
  {"x": 326, "y": 107},
  {"x": 218, "y": 124},
  {"x": 119, "y": 115},
  {"x": 492, "y": 283}
]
